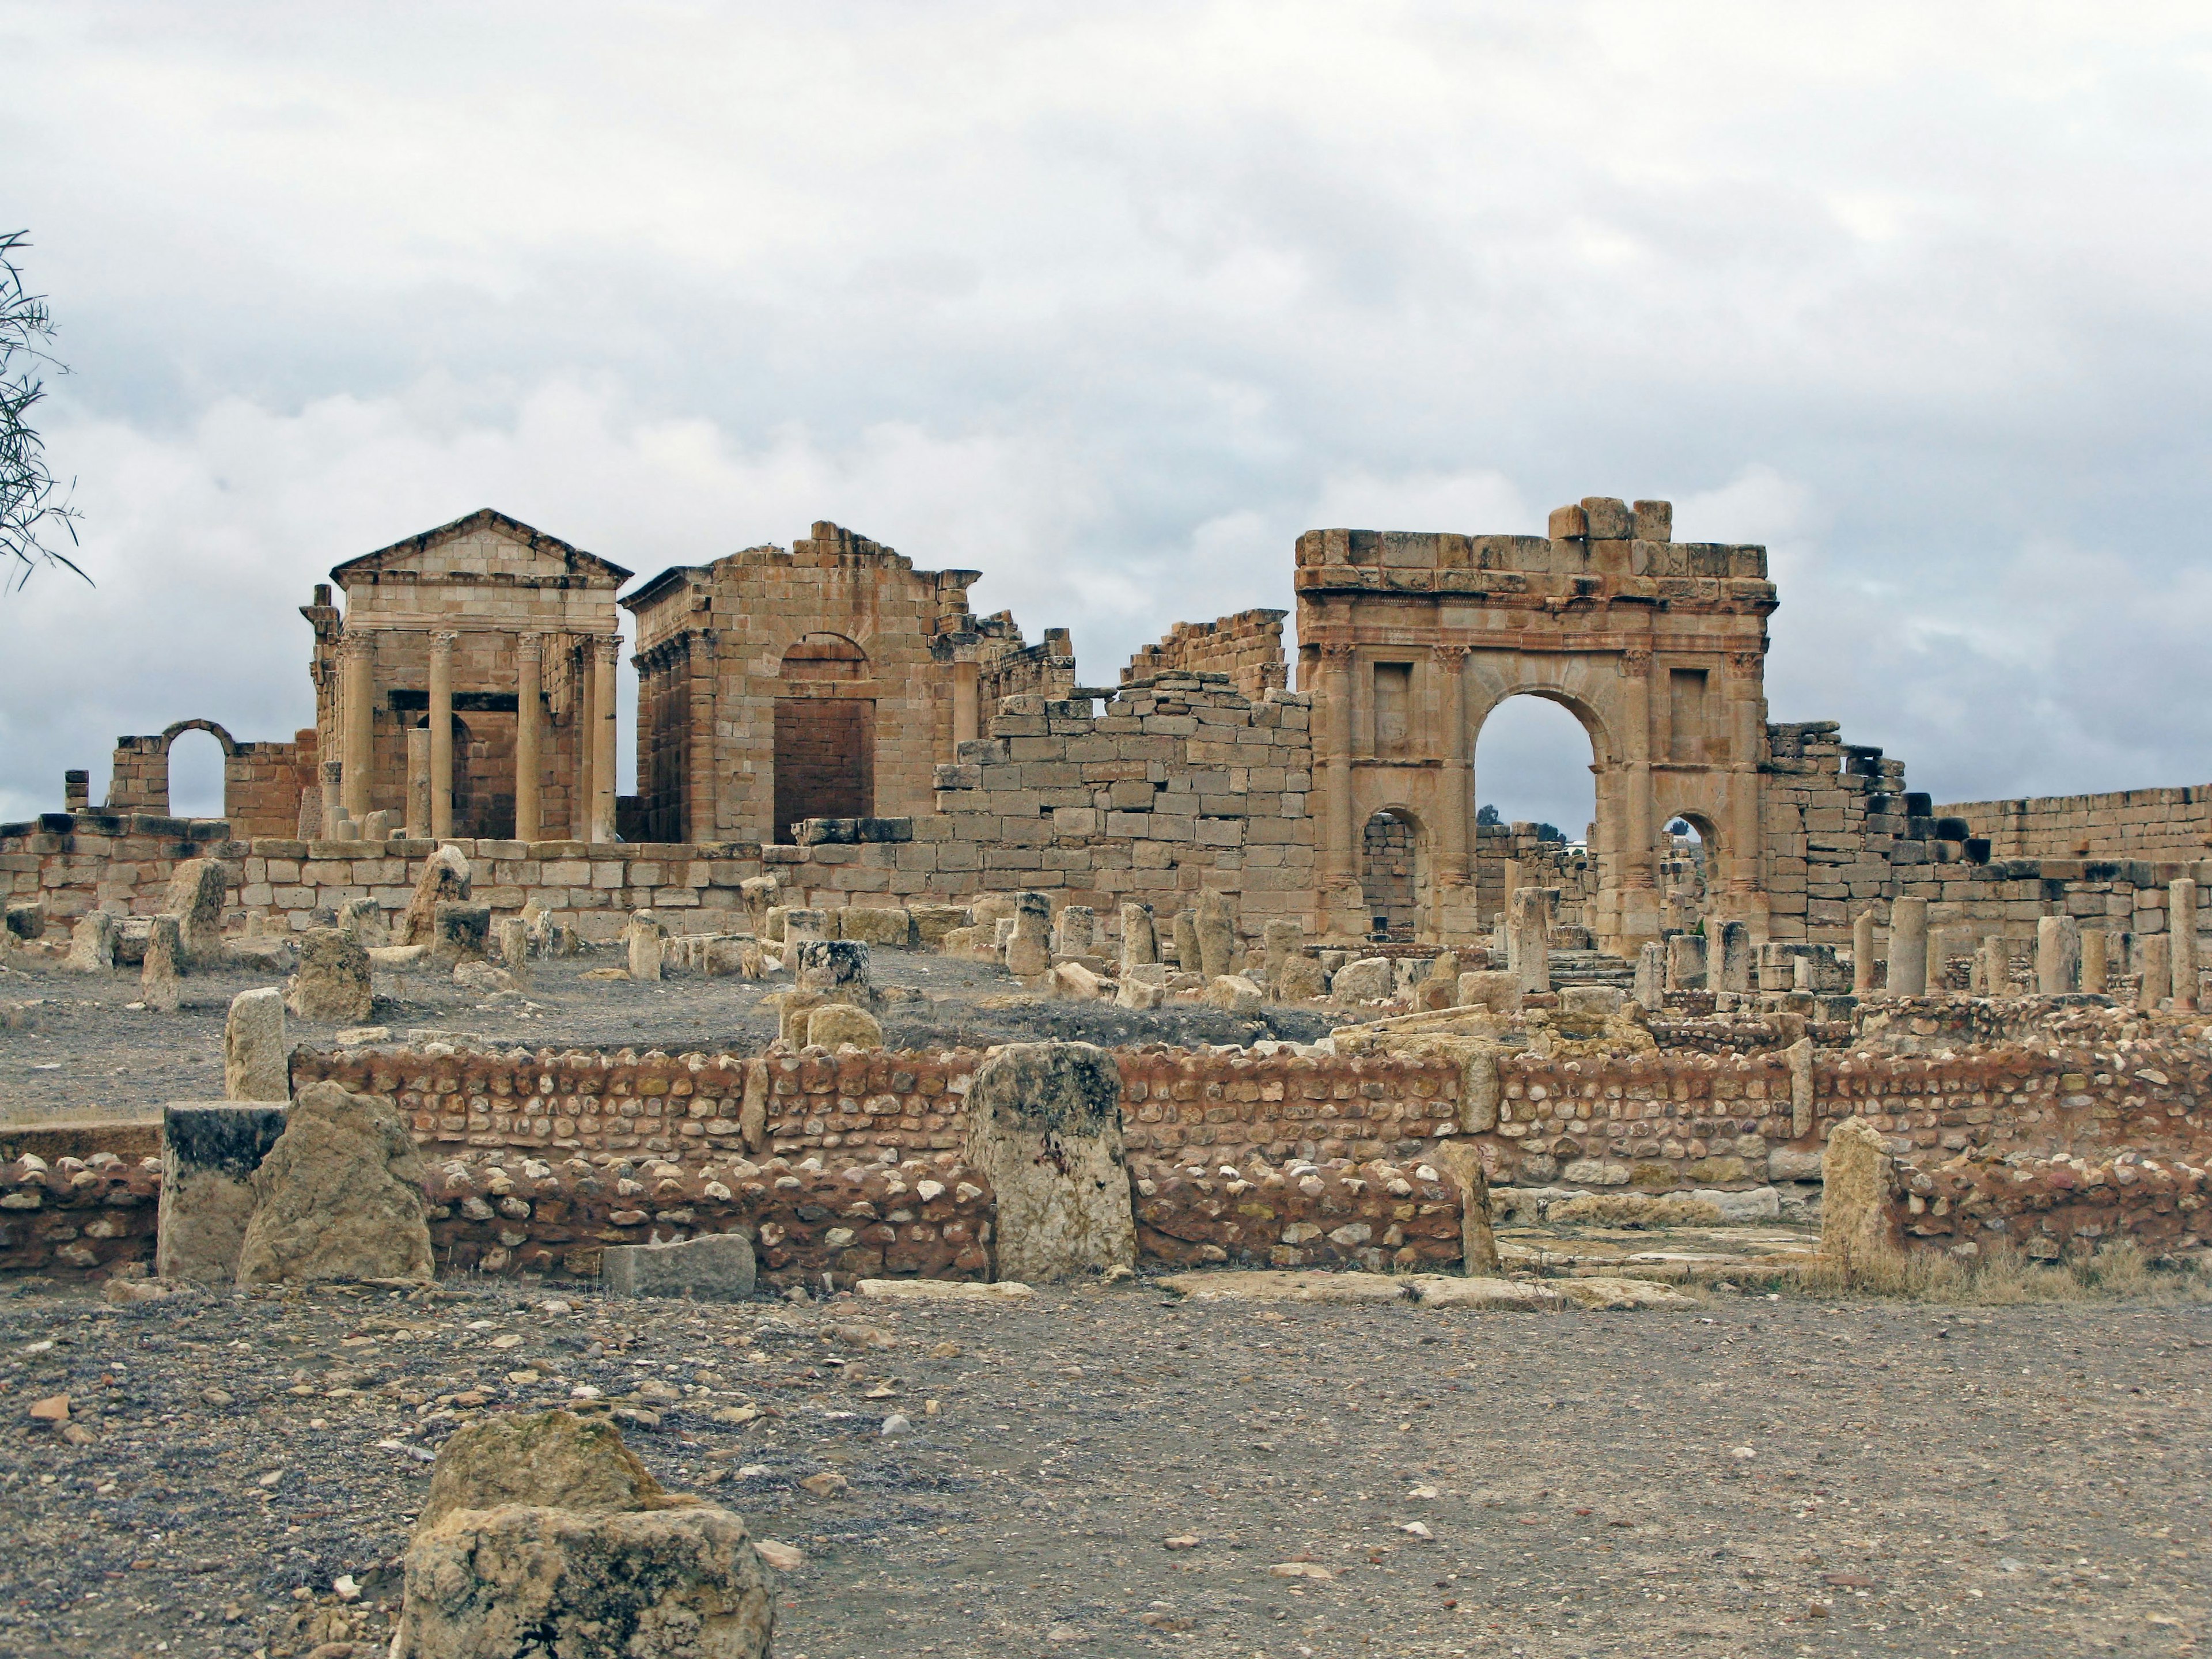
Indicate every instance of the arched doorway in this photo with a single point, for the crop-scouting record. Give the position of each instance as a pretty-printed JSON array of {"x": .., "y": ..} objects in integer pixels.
[
  {"x": 825, "y": 733},
  {"x": 1391, "y": 876},
  {"x": 1535, "y": 766},
  {"x": 196, "y": 775},
  {"x": 1688, "y": 872}
]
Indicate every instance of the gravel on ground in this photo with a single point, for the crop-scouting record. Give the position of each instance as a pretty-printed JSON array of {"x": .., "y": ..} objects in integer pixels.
[{"x": 1103, "y": 1470}]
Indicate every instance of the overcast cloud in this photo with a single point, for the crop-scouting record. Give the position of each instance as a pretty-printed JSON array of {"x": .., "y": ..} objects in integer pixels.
[{"x": 1111, "y": 302}]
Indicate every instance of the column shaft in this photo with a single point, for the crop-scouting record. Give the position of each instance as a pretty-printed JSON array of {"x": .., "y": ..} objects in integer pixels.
[
  {"x": 1341, "y": 852},
  {"x": 603, "y": 652},
  {"x": 357, "y": 660},
  {"x": 529, "y": 726},
  {"x": 441, "y": 736},
  {"x": 584, "y": 701},
  {"x": 1456, "y": 861}
]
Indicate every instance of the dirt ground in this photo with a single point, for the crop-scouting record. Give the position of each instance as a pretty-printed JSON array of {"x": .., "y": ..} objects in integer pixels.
[
  {"x": 1743, "y": 1476},
  {"x": 85, "y": 1053}
]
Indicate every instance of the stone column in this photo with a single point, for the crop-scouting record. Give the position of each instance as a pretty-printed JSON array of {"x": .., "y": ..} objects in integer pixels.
[
  {"x": 1862, "y": 954},
  {"x": 2181, "y": 923},
  {"x": 967, "y": 723},
  {"x": 1652, "y": 977},
  {"x": 332, "y": 778},
  {"x": 605, "y": 650},
  {"x": 1452, "y": 861},
  {"x": 1908, "y": 947},
  {"x": 1993, "y": 967},
  {"x": 441, "y": 736},
  {"x": 1529, "y": 943},
  {"x": 1640, "y": 855},
  {"x": 1685, "y": 962},
  {"x": 584, "y": 701},
  {"x": 2096, "y": 968},
  {"x": 2154, "y": 961},
  {"x": 529, "y": 728},
  {"x": 2058, "y": 955},
  {"x": 1746, "y": 852},
  {"x": 418, "y": 783},
  {"x": 1341, "y": 864},
  {"x": 357, "y": 705}
]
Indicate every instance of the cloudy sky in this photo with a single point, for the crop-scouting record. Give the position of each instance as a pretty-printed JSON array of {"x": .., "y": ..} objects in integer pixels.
[{"x": 1109, "y": 302}]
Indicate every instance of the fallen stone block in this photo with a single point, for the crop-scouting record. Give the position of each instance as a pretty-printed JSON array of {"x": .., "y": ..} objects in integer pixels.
[
  {"x": 1370, "y": 979},
  {"x": 1501, "y": 1295},
  {"x": 1613, "y": 1295},
  {"x": 92, "y": 943},
  {"x": 339, "y": 1196},
  {"x": 1283, "y": 1284},
  {"x": 208, "y": 1154},
  {"x": 460, "y": 933},
  {"x": 1233, "y": 993},
  {"x": 712, "y": 1267},
  {"x": 940, "y": 1289},
  {"x": 333, "y": 984},
  {"x": 836, "y": 1024},
  {"x": 870, "y": 924}
]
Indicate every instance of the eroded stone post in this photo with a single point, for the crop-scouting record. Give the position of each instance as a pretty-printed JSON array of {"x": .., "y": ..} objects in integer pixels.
[
  {"x": 1530, "y": 939},
  {"x": 159, "y": 973},
  {"x": 529, "y": 726},
  {"x": 1044, "y": 1123},
  {"x": 2181, "y": 923},
  {"x": 1856, "y": 1228},
  {"x": 1685, "y": 962},
  {"x": 1651, "y": 976},
  {"x": 1141, "y": 945},
  {"x": 2154, "y": 961},
  {"x": 2096, "y": 961},
  {"x": 1862, "y": 973},
  {"x": 256, "y": 1064},
  {"x": 2058, "y": 955},
  {"x": 1735, "y": 957},
  {"x": 441, "y": 735},
  {"x": 1993, "y": 967},
  {"x": 1908, "y": 947}
]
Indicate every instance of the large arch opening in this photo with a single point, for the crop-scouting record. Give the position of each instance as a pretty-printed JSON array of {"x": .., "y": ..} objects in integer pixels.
[
  {"x": 1688, "y": 872},
  {"x": 1391, "y": 876},
  {"x": 1535, "y": 821},
  {"x": 825, "y": 734},
  {"x": 196, "y": 761}
]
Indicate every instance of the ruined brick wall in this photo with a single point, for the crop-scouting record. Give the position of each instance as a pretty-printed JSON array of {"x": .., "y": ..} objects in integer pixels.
[
  {"x": 2164, "y": 825},
  {"x": 1247, "y": 647},
  {"x": 262, "y": 784}
]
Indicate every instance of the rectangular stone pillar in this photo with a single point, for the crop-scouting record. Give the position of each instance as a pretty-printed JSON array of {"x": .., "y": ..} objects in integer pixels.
[
  {"x": 2153, "y": 962},
  {"x": 2096, "y": 968},
  {"x": 1908, "y": 947},
  {"x": 585, "y": 702},
  {"x": 604, "y": 652},
  {"x": 418, "y": 783},
  {"x": 1341, "y": 848},
  {"x": 441, "y": 736},
  {"x": 2181, "y": 923},
  {"x": 357, "y": 710},
  {"x": 2058, "y": 955},
  {"x": 1530, "y": 941},
  {"x": 209, "y": 1155},
  {"x": 1735, "y": 957},
  {"x": 1685, "y": 962},
  {"x": 967, "y": 719},
  {"x": 1862, "y": 973},
  {"x": 529, "y": 729},
  {"x": 1652, "y": 977}
]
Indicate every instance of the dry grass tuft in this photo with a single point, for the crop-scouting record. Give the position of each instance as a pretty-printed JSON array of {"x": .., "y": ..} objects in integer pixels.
[{"x": 2001, "y": 1277}]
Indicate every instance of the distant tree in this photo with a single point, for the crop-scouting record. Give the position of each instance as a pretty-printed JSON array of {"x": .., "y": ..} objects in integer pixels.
[
  {"x": 1487, "y": 815},
  {"x": 29, "y": 513},
  {"x": 1548, "y": 832}
]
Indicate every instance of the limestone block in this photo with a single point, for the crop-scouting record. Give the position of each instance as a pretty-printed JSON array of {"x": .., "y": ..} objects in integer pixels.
[
  {"x": 2181, "y": 927},
  {"x": 993, "y": 908},
  {"x": 364, "y": 918},
  {"x": 801, "y": 925},
  {"x": 340, "y": 1194},
  {"x": 756, "y": 894},
  {"x": 1735, "y": 958},
  {"x": 514, "y": 947},
  {"x": 1139, "y": 994},
  {"x": 1490, "y": 1294},
  {"x": 1139, "y": 941},
  {"x": 543, "y": 1533},
  {"x": 1298, "y": 978},
  {"x": 332, "y": 983},
  {"x": 161, "y": 970},
  {"x": 459, "y": 933},
  {"x": 1908, "y": 947},
  {"x": 445, "y": 880},
  {"x": 2154, "y": 963},
  {"x": 1462, "y": 1161},
  {"x": 1076, "y": 933},
  {"x": 872, "y": 926},
  {"x": 1651, "y": 975},
  {"x": 1217, "y": 936},
  {"x": 932, "y": 922},
  {"x": 648, "y": 943},
  {"x": 1496, "y": 989},
  {"x": 195, "y": 898},
  {"x": 836, "y": 1024},
  {"x": 1862, "y": 954},
  {"x": 1187, "y": 953},
  {"x": 209, "y": 1155},
  {"x": 1529, "y": 936},
  {"x": 1371, "y": 979},
  {"x": 1235, "y": 993},
  {"x": 712, "y": 1267},
  {"x": 1044, "y": 1124},
  {"x": 1029, "y": 948},
  {"x": 836, "y": 966},
  {"x": 92, "y": 943},
  {"x": 2058, "y": 955},
  {"x": 1075, "y": 983},
  {"x": 256, "y": 1062},
  {"x": 771, "y": 923},
  {"x": 1855, "y": 1225},
  {"x": 1685, "y": 964},
  {"x": 24, "y": 920},
  {"x": 2096, "y": 961}
]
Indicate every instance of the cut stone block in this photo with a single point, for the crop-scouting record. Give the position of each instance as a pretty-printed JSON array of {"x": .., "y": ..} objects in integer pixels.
[
  {"x": 712, "y": 1267},
  {"x": 1045, "y": 1126},
  {"x": 208, "y": 1154}
]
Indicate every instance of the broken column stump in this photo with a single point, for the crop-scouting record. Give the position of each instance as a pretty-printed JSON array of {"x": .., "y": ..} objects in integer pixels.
[{"x": 1044, "y": 1124}]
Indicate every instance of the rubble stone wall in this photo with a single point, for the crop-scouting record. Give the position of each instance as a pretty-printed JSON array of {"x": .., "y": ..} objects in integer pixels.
[{"x": 1247, "y": 647}]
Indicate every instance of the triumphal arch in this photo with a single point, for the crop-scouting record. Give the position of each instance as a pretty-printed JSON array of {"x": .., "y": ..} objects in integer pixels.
[{"x": 1410, "y": 640}]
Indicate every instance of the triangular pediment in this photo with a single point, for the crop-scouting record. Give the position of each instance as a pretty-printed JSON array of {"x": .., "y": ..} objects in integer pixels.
[{"x": 485, "y": 544}]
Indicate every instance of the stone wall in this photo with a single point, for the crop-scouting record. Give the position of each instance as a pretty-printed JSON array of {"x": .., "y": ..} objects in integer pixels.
[
  {"x": 1247, "y": 647},
  {"x": 2162, "y": 824}
]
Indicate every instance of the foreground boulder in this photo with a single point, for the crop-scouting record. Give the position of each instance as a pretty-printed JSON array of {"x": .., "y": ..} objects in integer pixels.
[
  {"x": 1045, "y": 1126},
  {"x": 544, "y": 1535},
  {"x": 339, "y": 1196}
]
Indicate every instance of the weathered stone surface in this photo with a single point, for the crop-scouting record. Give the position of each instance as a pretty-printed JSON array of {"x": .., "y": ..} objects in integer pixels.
[
  {"x": 1462, "y": 1161},
  {"x": 460, "y": 933},
  {"x": 1236, "y": 993},
  {"x": 1075, "y": 934},
  {"x": 939, "y": 1289},
  {"x": 1300, "y": 979},
  {"x": 834, "y": 966},
  {"x": 333, "y": 984},
  {"x": 1217, "y": 936},
  {"x": 1369, "y": 980},
  {"x": 1187, "y": 953},
  {"x": 1529, "y": 936},
  {"x": 1617, "y": 1295},
  {"x": 161, "y": 972},
  {"x": 1496, "y": 989},
  {"x": 445, "y": 880},
  {"x": 339, "y": 1196},
  {"x": 648, "y": 947},
  {"x": 836, "y": 1023},
  {"x": 1856, "y": 1229},
  {"x": 1074, "y": 982},
  {"x": 801, "y": 925},
  {"x": 1139, "y": 942},
  {"x": 1279, "y": 1285},
  {"x": 2058, "y": 955},
  {"x": 364, "y": 918},
  {"x": 92, "y": 943},
  {"x": 195, "y": 898},
  {"x": 712, "y": 1267},
  {"x": 1044, "y": 1124},
  {"x": 1138, "y": 994},
  {"x": 1908, "y": 948},
  {"x": 209, "y": 1155},
  {"x": 878, "y": 924},
  {"x": 256, "y": 1059},
  {"x": 1486, "y": 1294},
  {"x": 1028, "y": 952},
  {"x": 515, "y": 948},
  {"x": 543, "y": 1535},
  {"x": 932, "y": 922}
]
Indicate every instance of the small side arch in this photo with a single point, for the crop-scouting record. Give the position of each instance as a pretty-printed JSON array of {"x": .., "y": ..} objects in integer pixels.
[
  {"x": 825, "y": 657},
  {"x": 1392, "y": 872},
  {"x": 229, "y": 744}
]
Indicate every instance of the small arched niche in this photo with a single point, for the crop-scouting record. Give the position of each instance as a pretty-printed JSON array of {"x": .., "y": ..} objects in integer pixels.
[
  {"x": 825, "y": 657},
  {"x": 1390, "y": 873}
]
